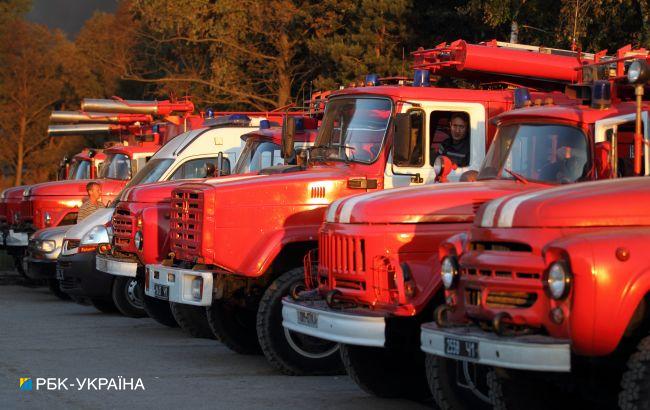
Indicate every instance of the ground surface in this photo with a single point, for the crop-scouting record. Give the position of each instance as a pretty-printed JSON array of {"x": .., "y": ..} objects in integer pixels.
[{"x": 41, "y": 336}]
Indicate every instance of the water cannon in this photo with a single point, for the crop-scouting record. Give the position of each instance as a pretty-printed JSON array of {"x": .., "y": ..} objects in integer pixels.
[
  {"x": 519, "y": 63},
  {"x": 76, "y": 117},
  {"x": 118, "y": 105},
  {"x": 84, "y": 129}
]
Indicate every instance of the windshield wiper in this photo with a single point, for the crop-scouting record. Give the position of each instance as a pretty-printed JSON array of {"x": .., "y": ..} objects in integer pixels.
[{"x": 517, "y": 176}]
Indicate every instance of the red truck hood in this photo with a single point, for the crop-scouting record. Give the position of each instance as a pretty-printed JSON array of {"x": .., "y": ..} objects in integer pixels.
[
  {"x": 14, "y": 193},
  {"x": 154, "y": 192},
  {"x": 449, "y": 202},
  {"x": 620, "y": 202},
  {"x": 110, "y": 187}
]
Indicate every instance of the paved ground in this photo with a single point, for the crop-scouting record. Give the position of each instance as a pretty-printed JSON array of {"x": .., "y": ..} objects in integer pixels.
[{"x": 41, "y": 336}]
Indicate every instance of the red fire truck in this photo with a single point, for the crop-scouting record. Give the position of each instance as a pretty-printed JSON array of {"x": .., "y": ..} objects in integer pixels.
[
  {"x": 378, "y": 275},
  {"x": 55, "y": 203},
  {"x": 240, "y": 254},
  {"x": 553, "y": 285}
]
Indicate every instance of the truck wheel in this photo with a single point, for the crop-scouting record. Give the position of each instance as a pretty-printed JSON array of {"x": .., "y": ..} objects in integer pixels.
[
  {"x": 159, "y": 311},
  {"x": 104, "y": 305},
  {"x": 520, "y": 389},
  {"x": 290, "y": 352},
  {"x": 234, "y": 326},
  {"x": 635, "y": 383},
  {"x": 53, "y": 284},
  {"x": 444, "y": 376},
  {"x": 387, "y": 373},
  {"x": 128, "y": 295},
  {"x": 192, "y": 319}
]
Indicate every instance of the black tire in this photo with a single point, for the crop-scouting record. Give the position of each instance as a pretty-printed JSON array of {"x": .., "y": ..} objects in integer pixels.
[
  {"x": 128, "y": 297},
  {"x": 160, "y": 311},
  {"x": 292, "y": 353},
  {"x": 234, "y": 326},
  {"x": 387, "y": 373},
  {"x": 635, "y": 383},
  {"x": 104, "y": 305},
  {"x": 443, "y": 375},
  {"x": 53, "y": 284},
  {"x": 519, "y": 389},
  {"x": 192, "y": 319}
]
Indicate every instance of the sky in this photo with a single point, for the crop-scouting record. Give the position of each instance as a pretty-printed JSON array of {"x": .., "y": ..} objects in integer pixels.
[{"x": 67, "y": 15}]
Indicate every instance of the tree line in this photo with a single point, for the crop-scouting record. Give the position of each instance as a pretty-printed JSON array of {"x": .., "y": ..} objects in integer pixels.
[{"x": 256, "y": 55}]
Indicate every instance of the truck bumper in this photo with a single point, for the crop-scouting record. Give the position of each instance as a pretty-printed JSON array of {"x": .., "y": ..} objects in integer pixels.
[
  {"x": 115, "y": 266},
  {"x": 39, "y": 268},
  {"x": 78, "y": 276},
  {"x": 187, "y": 286},
  {"x": 531, "y": 352},
  {"x": 315, "y": 318}
]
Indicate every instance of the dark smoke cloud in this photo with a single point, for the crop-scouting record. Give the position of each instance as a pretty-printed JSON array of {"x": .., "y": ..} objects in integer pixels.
[{"x": 67, "y": 15}]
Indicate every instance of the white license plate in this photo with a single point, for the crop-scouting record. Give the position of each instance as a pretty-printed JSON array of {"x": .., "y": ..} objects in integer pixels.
[
  {"x": 465, "y": 349},
  {"x": 59, "y": 273},
  {"x": 308, "y": 318},
  {"x": 161, "y": 291}
]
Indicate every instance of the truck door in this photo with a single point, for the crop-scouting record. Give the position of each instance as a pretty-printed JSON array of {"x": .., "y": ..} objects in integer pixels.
[
  {"x": 430, "y": 129},
  {"x": 619, "y": 133}
]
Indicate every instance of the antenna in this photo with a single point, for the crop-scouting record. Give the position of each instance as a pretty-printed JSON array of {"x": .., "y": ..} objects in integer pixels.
[{"x": 575, "y": 26}]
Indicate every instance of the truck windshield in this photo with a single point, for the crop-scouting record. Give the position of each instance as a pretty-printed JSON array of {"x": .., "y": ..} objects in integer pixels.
[
  {"x": 79, "y": 169},
  {"x": 555, "y": 154},
  {"x": 151, "y": 172},
  {"x": 116, "y": 166},
  {"x": 257, "y": 155},
  {"x": 353, "y": 129}
]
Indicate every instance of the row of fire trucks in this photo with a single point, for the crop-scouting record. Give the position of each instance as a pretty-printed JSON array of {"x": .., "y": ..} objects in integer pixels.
[{"x": 348, "y": 237}]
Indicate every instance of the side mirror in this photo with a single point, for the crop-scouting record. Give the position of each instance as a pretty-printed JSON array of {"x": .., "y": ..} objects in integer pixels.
[
  {"x": 602, "y": 159},
  {"x": 223, "y": 165},
  {"x": 288, "y": 138},
  {"x": 402, "y": 138},
  {"x": 443, "y": 167}
]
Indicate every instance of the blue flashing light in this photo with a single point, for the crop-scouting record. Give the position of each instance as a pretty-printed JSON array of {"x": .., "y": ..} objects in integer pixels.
[
  {"x": 521, "y": 97},
  {"x": 422, "y": 78},
  {"x": 372, "y": 79},
  {"x": 233, "y": 120},
  {"x": 601, "y": 94},
  {"x": 209, "y": 113},
  {"x": 300, "y": 125},
  {"x": 265, "y": 124}
]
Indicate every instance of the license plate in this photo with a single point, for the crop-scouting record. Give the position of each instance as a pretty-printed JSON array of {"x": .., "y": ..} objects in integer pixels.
[
  {"x": 161, "y": 291},
  {"x": 59, "y": 273},
  {"x": 308, "y": 318},
  {"x": 461, "y": 348}
]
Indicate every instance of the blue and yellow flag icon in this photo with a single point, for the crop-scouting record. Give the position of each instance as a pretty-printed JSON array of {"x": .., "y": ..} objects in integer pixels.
[{"x": 26, "y": 383}]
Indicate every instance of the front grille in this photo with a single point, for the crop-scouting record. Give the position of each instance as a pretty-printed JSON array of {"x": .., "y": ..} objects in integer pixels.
[
  {"x": 473, "y": 297},
  {"x": 511, "y": 299},
  {"x": 500, "y": 246},
  {"x": 186, "y": 223},
  {"x": 505, "y": 274},
  {"x": 123, "y": 226},
  {"x": 342, "y": 255}
]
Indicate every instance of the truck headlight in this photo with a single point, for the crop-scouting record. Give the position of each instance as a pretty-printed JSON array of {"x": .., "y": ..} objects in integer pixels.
[
  {"x": 138, "y": 240},
  {"x": 47, "y": 218},
  {"x": 96, "y": 235},
  {"x": 46, "y": 246},
  {"x": 449, "y": 271},
  {"x": 558, "y": 280}
]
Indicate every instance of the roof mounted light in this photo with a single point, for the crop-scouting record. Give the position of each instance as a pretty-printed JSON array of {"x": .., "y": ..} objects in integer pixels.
[
  {"x": 300, "y": 125},
  {"x": 233, "y": 120},
  {"x": 522, "y": 97},
  {"x": 601, "y": 94},
  {"x": 638, "y": 72},
  {"x": 265, "y": 124},
  {"x": 372, "y": 80},
  {"x": 209, "y": 113},
  {"x": 422, "y": 78}
]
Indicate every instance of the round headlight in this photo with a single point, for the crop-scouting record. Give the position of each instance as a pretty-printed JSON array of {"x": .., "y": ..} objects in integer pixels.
[
  {"x": 48, "y": 218},
  {"x": 448, "y": 271},
  {"x": 558, "y": 281},
  {"x": 437, "y": 165},
  {"x": 138, "y": 240},
  {"x": 637, "y": 72},
  {"x": 47, "y": 246},
  {"x": 97, "y": 234}
]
